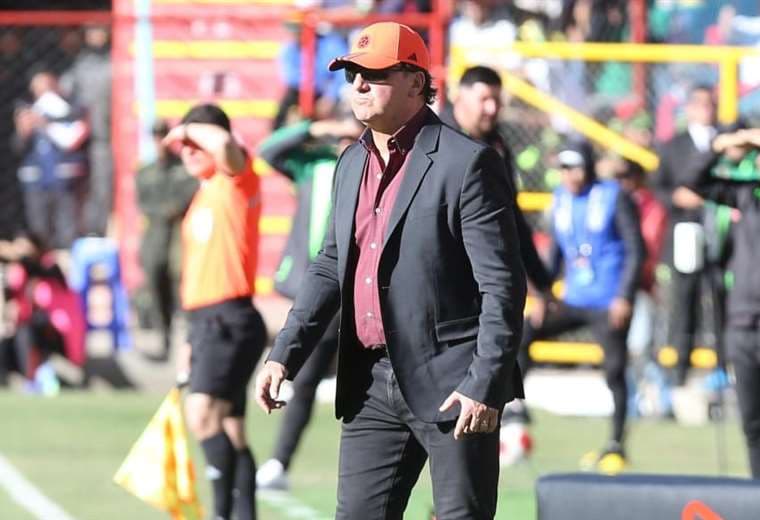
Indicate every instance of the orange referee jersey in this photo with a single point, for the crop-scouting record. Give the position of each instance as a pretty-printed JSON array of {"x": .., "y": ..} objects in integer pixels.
[{"x": 220, "y": 236}]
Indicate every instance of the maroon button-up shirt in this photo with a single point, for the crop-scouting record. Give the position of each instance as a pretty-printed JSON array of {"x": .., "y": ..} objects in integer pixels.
[{"x": 377, "y": 195}]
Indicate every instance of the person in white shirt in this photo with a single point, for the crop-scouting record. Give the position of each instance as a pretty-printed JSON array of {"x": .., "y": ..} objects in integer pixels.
[{"x": 674, "y": 171}]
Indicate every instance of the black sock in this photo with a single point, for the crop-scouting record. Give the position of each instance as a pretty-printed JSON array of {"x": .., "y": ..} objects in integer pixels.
[
  {"x": 245, "y": 485},
  {"x": 220, "y": 470}
]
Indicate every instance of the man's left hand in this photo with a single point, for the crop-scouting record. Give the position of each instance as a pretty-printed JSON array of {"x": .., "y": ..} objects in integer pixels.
[{"x": 474, "y": 416}]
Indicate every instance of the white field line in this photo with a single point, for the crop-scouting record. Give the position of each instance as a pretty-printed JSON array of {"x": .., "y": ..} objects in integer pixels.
[
  {"x": 27, "y": 496},
  {"x": 289, "y": 505}
]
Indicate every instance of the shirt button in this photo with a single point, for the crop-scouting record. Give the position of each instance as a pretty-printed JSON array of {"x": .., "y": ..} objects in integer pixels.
[
  {"x": 373, "y": 246},
  {"x": 377, "y": 211},
  {"x": 369, "y": 314},
  {"x": 368, "y": 280},
  {"x": 379, "y": 175}
]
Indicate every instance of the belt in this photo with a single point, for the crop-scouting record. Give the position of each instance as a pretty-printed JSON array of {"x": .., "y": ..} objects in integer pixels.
[
  {"x": 379, "y": 349},
  {"x": 220, "y": 309}
]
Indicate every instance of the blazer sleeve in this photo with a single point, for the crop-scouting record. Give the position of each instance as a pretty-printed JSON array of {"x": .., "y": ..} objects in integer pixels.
[
  {"x": 628, "y": 226},
  {"x": 315, "y": 305},
  {"x": 663, "y": 178},
  {"x": 491, "y": 242}
]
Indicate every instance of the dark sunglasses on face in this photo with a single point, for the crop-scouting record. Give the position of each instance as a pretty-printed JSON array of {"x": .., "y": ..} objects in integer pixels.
[{"x": 370, "y": 75}]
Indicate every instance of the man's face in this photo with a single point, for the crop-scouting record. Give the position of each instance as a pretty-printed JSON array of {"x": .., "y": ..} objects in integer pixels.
[
  {"x": 477, "y": 108},
  {"x": 43, "y": 82},
  {"x": 381, "y": 98},
  {"x": 96, "y": 37},
  {"x": 701, "y": 108},
  {"x": 573, "y": 178},
  {"x": 198, "y": 162}
]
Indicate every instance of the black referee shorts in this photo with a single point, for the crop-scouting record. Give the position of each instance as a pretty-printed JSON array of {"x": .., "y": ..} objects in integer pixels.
[{"x": 227, "y": 340}]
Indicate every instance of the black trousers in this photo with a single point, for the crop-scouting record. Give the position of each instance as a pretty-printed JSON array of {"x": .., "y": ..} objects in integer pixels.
[
  {"x": 684, "y": 310},
  {"x": 613, "y": 342},
  {"x": 54, "y": 215},
  {"x": 384, "y": 447},
  {"x": 99, "y": 202},
  {"x": 162, "y": 291},
  {"x": 299, "y": 408},
  {"x": 743, "y": 345}
]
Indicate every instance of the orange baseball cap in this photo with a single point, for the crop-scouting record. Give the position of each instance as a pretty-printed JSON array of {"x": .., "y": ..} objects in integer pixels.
[{"x": 385, "y": 44}]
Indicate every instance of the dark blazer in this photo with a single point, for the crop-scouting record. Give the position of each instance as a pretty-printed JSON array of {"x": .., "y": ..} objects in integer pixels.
[
  {"x": 452, "y": 285},
  {"x": 534, "y": 267},
  {"x": 677, "y": 158}
]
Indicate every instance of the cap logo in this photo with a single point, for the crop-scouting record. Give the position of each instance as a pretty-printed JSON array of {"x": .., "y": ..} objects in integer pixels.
[
  {"x": 412, "y": 57},
  {"x": 363, "y": 42}
]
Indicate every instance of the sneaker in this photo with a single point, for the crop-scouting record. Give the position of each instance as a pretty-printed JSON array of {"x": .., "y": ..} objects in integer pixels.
[
  {"x": 515, "y": 443},
  {"x": 272, "y": 475},
  {"x": 610, "y": 461}
]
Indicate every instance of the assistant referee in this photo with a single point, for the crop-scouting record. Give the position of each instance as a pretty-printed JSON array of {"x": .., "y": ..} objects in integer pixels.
[{"x": 226, "y": 332}]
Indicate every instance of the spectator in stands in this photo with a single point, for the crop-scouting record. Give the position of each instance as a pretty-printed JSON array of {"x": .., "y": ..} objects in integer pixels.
[
  {"x": 675, "y": 169},
  {"x": 164, "y": 192},
  {"x": 653, "y": 215},
  {"x": 12, "y": 249},
  {"x": 306, "y": 153},
  {"x": 226, "y": 332},
  {"x": 51, "y": 136},
  {"x": 596, "y": 237},
  {"x": 719, "y": 33},
  {"x": 596, "y": 20},
  {"x": 88, "y": 83},
  {"x": 653, "y": 220},
  {"x": 48, "y": 317},
  {"x": 741, "y": 189},
  {"x": 481, "y": 34},
  {"x": 327, "y": 84}
]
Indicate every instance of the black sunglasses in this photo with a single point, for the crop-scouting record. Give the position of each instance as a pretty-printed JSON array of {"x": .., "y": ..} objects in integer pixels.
[{"x": 371, "y": 75}]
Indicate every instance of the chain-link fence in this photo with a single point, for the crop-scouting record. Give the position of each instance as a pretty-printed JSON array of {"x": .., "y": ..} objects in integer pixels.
[{"x": 24, "y": 50}]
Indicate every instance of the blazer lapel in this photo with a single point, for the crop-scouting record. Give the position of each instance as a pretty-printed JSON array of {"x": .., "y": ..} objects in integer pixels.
[
  {"x": 419, "y": 164},
  {"x": 344, "y": 217}
]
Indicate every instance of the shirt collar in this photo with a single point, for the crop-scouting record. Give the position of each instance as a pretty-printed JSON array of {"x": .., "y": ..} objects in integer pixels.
[{"x": 403, "y": 138}]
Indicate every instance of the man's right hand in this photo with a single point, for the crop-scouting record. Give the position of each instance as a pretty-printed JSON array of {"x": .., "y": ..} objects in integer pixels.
[
  {"x": 268, "y": 384},
  {"x": 542, "y": 303}
]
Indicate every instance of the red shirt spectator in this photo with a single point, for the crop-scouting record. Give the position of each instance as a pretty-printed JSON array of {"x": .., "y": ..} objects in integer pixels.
[{"x": 653, "y": 216}]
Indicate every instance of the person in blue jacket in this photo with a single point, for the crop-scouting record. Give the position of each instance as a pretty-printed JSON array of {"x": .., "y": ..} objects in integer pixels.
[{"x": 597, "y": 239}]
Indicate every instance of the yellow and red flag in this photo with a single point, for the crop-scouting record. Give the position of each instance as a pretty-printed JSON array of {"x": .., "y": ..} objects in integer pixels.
[{"x": 158, "y": 468}]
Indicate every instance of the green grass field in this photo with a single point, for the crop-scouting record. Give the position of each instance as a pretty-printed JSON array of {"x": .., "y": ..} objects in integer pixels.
[{"x": 70, "y": 447}]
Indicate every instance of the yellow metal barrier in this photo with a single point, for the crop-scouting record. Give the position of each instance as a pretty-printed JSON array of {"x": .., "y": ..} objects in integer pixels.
[
  {"x": 581, "y": 122},
  {"x": 726, "y": 57}
]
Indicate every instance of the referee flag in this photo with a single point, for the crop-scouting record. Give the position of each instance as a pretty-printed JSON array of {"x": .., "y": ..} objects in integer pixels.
[{"x": 158, "y": 468}]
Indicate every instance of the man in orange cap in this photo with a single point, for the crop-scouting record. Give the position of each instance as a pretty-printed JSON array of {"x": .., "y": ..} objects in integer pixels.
[{"x": 422, "y": 258}]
